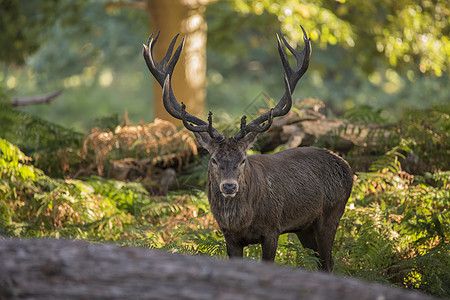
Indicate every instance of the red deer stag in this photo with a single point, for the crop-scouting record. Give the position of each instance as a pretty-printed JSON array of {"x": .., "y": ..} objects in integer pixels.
[{"x": 256, "y": 198}]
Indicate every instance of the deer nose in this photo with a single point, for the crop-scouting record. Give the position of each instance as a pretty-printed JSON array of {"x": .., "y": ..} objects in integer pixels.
[{"x": 229, "y": 188}]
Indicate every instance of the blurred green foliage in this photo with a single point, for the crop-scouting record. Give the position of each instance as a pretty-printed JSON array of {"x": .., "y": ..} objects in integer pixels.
[
  {"x": 403, "y": 34},
  {"x": 347, "y": 69},
  {"x": 386, "y": 54},
  {"x": 25, "y": 23},
  {"x": 98, "y": 63}
]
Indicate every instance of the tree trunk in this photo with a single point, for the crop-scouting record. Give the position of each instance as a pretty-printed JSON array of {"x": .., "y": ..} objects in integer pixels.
[
  {"x": 64, "y": 269},
  {"x": 185, "y": 17}
]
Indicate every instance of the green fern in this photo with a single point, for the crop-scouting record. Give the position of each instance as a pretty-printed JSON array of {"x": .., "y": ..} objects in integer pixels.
[
  {"x": 52, "y": 147},
  {"x": 391, "y": 159},
  {"x": 365, "y": 113},
  {"x": 429, "y": 272},
  {"x": 368, "y": 255},
  {"x": 291, "y": 253}
]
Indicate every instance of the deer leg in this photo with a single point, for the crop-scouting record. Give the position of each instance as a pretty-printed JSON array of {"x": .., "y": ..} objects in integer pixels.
[
  {"x": 325, "y": 249},
  {"x": 325, "y": 237},
  {"x": 319, "y": 237},
  {"x": 234, "y": 249},
  {"x": 325, "y": 256},
  {"x": 269, "y": 247},
  {"x": 307, "y": 237}
]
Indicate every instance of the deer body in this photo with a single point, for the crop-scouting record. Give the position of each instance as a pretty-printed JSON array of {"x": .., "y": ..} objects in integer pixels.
[
  {"x": 301, "y": 190},
  {"x": 254, "y": 199}
]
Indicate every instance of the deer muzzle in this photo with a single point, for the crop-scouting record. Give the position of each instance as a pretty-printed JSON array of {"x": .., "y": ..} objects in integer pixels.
[{"x": 229, "y": 188}]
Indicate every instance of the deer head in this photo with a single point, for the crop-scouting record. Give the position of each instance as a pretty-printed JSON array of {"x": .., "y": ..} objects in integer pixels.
[{"x": 228, "y": 155}]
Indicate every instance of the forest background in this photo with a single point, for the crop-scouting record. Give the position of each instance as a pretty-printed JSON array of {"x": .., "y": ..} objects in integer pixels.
[{"x": 381, "y": 65}]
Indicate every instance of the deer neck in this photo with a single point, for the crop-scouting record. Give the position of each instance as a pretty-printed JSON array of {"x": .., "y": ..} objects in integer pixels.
[{"x": 231, "y": 213}]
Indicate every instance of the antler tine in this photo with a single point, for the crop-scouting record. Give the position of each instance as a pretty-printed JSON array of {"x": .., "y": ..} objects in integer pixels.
[
  {"x": 290, "y": 80},
  {"x": 189, "y": 126},
  {"x": 199, "y": 128},
  {"x": 287, "y": 104},
  {"x": 257, "y": 126},
  {"x": 164, "y": 67},
  {"x": 162, "y": 71},
  {"x": 171, "y": 102},
  {"x": 148, "y": 57},
  {"x": 188, "y": 119},
  {"x": 302, "y": 58},
  {"x": 287, "y": 68},
  {"x": 242, "y": 132},
  {"x": 170, "y": 49}
]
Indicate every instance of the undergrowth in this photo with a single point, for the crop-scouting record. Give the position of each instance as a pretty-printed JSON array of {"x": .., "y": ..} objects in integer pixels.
[
  {"x": 427, "y": 130},
  {"x": 395, "y": 229}
]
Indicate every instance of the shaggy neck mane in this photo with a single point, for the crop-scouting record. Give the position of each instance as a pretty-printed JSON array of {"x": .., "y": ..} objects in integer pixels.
[{"x": 237, "y": 212}]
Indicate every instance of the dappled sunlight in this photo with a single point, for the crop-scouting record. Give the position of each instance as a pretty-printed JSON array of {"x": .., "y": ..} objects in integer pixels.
[
  {"x": 11, "y": 82},
  {"x": 195, "y": 62},
  {"x": 106, "y": 78},
  {"x": 194, "y": 51}
]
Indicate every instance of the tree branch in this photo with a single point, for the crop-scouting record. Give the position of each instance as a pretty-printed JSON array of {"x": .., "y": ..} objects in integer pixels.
[
  {"x": 47, "y": 98},
  {"x": 120, "y": 4}
]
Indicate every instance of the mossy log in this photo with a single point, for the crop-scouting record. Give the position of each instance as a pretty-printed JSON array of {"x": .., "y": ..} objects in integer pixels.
[{"x": 306, "y": 127}]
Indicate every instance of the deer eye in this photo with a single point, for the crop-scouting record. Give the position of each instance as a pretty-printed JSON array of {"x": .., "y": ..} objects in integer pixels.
[
  {"x": 214, "y": 162},
  {"x": 243, "y": 162}
]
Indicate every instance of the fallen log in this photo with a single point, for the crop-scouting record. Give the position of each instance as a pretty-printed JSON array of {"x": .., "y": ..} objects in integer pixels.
[
  {"x": 65, "y": 269},
  {"x": 305, "y": 127}
]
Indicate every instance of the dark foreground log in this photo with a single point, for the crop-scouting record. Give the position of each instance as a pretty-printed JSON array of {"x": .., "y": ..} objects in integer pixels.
[{"x": 64, "y": 269}]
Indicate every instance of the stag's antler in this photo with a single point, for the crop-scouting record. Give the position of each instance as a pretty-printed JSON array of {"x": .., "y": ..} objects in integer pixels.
[
  {"x": 162, "y": 71},
  {"x": 290, "y": 80}
]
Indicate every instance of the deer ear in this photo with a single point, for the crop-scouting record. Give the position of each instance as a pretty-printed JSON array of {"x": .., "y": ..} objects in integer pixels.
[
  {"x": 249, "y": 140},
  {"x": 204, "y": 140}
]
